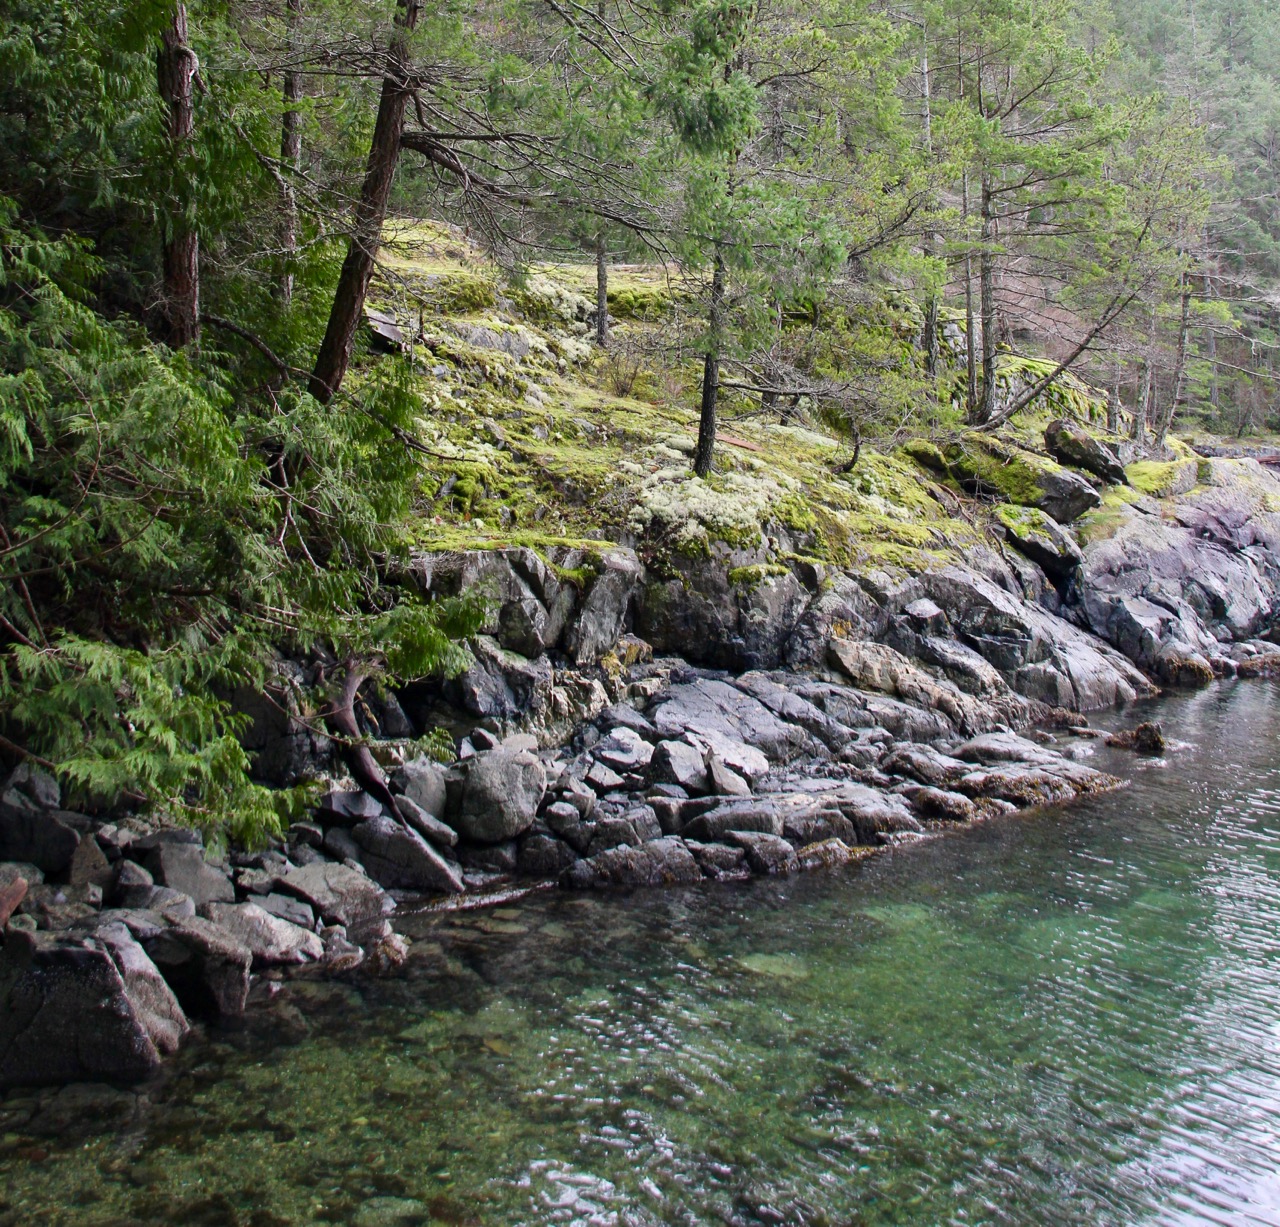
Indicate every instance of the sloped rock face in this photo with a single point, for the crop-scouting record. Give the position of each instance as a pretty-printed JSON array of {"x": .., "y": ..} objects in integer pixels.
[
  {"x": 1173, "y": 588},
  {"x": 1068, "y": 443}
]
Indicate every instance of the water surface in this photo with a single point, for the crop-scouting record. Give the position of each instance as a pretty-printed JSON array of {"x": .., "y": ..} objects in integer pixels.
[{"x": 1070, "y": 1017}]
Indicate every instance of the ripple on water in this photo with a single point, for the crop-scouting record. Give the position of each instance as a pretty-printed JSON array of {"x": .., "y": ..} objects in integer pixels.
[{"x": 1071, "y": 1018}]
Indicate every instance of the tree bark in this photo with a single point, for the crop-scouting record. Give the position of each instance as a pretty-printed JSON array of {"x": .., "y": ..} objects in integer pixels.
[
  {"x": 711, "y": 373},
  {"x": 290, "y": 157},
  {"x": 602, "y": 291},
  {"x": 1165, "y": 420},
  {"x": 371, "y": 211},
  {"x": 970, "y": 330},
  {"x": 987, "y": 292},
  {"x": 176, "y": 72},
  {"x": 930, "y": 338}
]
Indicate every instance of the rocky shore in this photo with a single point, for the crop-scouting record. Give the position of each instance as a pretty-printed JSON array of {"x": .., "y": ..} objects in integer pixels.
[{"x": 739, "y": 711}]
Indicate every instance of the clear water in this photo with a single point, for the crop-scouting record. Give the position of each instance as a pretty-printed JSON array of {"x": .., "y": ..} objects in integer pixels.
[{"x": 1069, "y": 1017}]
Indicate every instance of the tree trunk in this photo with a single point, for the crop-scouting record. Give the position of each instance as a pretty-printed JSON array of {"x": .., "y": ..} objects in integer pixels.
[
  {"x": 176, "y": 71},
  {"x": 1113, "y": 403},
  {"x": 1165, "y": 421},
  {"x": 711, "y": 373},
  {"x": 290, "y": 158},
  {"x": 371, "y": 211},
  {"x": 602, "y": 291},
  {"x": 930, "y": 338},
  {"x": 970, "y": 331},
  {"x": 987, "y": 291}
]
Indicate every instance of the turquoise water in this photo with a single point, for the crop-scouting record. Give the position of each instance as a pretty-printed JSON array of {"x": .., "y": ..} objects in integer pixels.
[{"x": 1067, "y": 1017}]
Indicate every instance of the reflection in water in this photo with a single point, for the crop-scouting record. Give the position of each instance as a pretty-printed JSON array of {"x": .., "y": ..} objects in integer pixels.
[{"x": 1064, "y": 1018}]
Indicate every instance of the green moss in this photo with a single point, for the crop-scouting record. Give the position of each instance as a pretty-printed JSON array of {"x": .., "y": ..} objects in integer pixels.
[
  {"x": 1105, "y": 521},
  {"x": 753, "y": 577},
  {"x": 927, "y": 455},
  {"x": 992, "y": 468},
  {"x": 639, "y": 302},
  {"x": 1154, "y": 477}
]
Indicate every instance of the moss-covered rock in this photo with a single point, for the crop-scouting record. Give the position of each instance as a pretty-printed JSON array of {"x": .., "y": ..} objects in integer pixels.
[{"x": 991, "y": 468}]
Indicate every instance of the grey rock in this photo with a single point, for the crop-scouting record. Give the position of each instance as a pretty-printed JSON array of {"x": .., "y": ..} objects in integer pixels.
[
  {"x": 82, "y": 1008},
  {"x": 398, "y": 857},
  {"x": 644, "y": 821},
  {"x": 544, "y": 856},
  {"x": 622, "y": 716},
  {"x": 340, "y": 844},
  {"x": 35, "y": 835},
  {"x": 662, "y": 862},
  {"x": 428, "y": 826},
  {"x": 346, "y": 808},
  {"x": 183, "y": 867},
  {"x": 1070, "y": 444},
  {"x": 35, "y": 783},
  {"x": 766, "y": 854},
  {"x": 1042, "y": 540},
  {"x": 89, "y": 865},
  {"x": 338, "y": 894},
  {"x": 677, "y": 762},
  {"x": 500, "y": 859},
  {"x": 604, "y": 779},
  {"x": 719, "y": 861},
  {"x": 715, "y": 825},
  {"x": 423, "y": 782},
  {"x": 826, "y": 854},
  {"x": 207, "y": 967},
  {"x": 722, "y": 782},
  {"x": 624, "y": 750},
  {"x": 271, "y": 940},
  {"x": 716, "y": 710},
  {"x": 612, "y": 833},
  {"x": 289, "y": 909},
  {"x": 500, "y": 796}
]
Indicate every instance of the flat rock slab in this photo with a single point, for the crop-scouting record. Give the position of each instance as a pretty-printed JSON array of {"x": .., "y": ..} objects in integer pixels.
[
  {"x": 271, "y": 941},
  {"x": 342, "y": 896},
  {"x": 709, "y": 707},
  {"x": 182, "y": 867},
  {"x": 398, "y": 858}
]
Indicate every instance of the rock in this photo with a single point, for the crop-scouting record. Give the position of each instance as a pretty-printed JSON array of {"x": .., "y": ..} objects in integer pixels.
[
  {"x": 82, "y": 1008},
  {"x": 89, "y": 866},
  {"x": 271, "y": 940},
  {"x": 35, "y": 835},
  {"x": 340, "y": 844},
  {"x": 398, "y": 857},
  {"x": 622, "y": 716},
  {"x": 544, "y": 856},
  {"x": 423, "y": 782},
  {"x": 624, "y": 750},
  {"x": 612, "y": 833},
  {"x": 1004, "y": 748},
  {"x": 428, "y": 826},
  {"x": 1147, "y": 738},
  {"x": 338, "y": 894},
  {"x": 604, "y": 779},
  {"x": 35, "y": 784},
  {"x": 500, "y": 859},
  {"x": 582, "y": 798},
  {"x": 182, "y": 867},
  {"x": 13, "y": 890},
  {"x": 340, "y": 954},
  {"x": 205, "y": 965},
  {"x": 991, "y": 467},
  {"x": 827, "y": 854},
  {"x": 346, "y": 808},
  {"x": 723, "y": 715},
  {"x": 715, "y": 825},
  {"x": 388, "y": 954},
  {"x": 310, "y": 833},
  {"x": 660, "y": 863},
  {"x": 500, "y": 797},
  {"x": 722, "y": 782},
  {"x": 1071, "y": 444},
  {"x": 766, "y": 854},
  {"x": 598, "y": 623},
  {"x": 286, "y": 908},
  {"x": 941, "y": 804},
  {"x": 719, "y": 861},
  {"x": 644, "y": 821},
  {"x": 677, "y": 762},
  {"x": 1041, "y": 539},
  {"x": 925, "y": 764},
  {"x": 482, "y": 739}
]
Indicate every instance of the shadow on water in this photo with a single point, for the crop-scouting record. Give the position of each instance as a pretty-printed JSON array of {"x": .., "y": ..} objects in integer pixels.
[{"x": 1070, "y": 1017}]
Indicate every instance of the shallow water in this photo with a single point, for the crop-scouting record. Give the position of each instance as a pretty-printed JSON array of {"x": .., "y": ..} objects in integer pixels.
[{"x": 1068, "y": 1017}]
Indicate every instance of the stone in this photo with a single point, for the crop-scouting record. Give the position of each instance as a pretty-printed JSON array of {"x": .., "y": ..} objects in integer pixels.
[
  {"x": 500, "y": 796},
  {"x": 13, "y": 890},
  {"x": 719, "y": 861},
  {"x": 612, "y": 833},
  {"x": 766, "y": 854},
  {"x": 340, "y": 844},
  {"x": 35, "y": 783},
  {"x": 604, "y": 779},
  {"x": 1071, "y": 444},
  {"x": 340, "y": 953},
  {"x": 423, "y": 782},
  {"x": 482, "y": 739},
  {"x": 644, "y": 821},
  {"x": 271, "y": 940},
  {"x": 939, "y": 803},
  {"x": 35, "y": 835},
  {"x": 426, "y": 824},
  {"x": 1045, "y": 542},
  {"x": 715, "y": 825},
  {"x": 398, "y": 857},
  {"x": 289, "y": 909},
  {"x": 544, "y": 856},
  {"x": 677, "y": 762},
  {"x": 722, "y": 782},
  {"x": 827, "y": 854},
  {"x": 82, "y": 1008},
  {"x": 603, "y": 609},
  {"x": 501, "y": 859},
  {"x": 624, "y": 750},
  {"x": 89, "y": 866},
  {"x": 182, "y": 867},
  {"x": 622, "y": 716},
  {"x": 1147, "y": 738},
  {"x": 713, "y": 710},
  {"x": 205, "y": 965},
  {"x": 346, "y": 808},
  {"x": 662, "y": 862},
  {"x": 338, "y": 894},
  {"x": 310, "y": 833}
]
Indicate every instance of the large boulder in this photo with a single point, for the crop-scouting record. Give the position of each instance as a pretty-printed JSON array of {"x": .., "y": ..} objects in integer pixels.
[
  {"x": 662, "y": 862},
  {"x": 339, "y": 894},
  {"x": 718, "y": 712},
  {"x": 182, "y": 867},
  {"x": 1041, "y": 539},
  {"x": 399, "y": 858},
  {"x": 500, "y": 795},
  {"x": 206, "y": 965},
  {"x": 993, "y": 468},
  {"x": 1073, "y": 445},
  {"x": 79, "y": 1008},
  {"x": 271, "y": 940},
  {"x": 38, "y": 836},
  {"x": 423, "y": 782}
]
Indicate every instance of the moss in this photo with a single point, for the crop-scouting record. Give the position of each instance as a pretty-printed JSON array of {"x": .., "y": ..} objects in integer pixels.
[
  {"x": 1105, "y": 521},
  {"x": 752, "y": 577},
  {"x": 992, "y": 468},
  {"x": 927, "y": 455},
  {"x": 1159, "y": 478},
  {"x": 639, "y": 302}
]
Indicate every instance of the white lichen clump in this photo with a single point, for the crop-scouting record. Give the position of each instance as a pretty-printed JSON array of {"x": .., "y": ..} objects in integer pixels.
[{"x": 694, "y": 512}]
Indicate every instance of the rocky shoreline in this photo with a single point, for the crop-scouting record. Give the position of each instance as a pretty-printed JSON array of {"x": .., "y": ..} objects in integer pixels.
[{"x": 825, "y": 713}]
